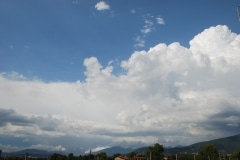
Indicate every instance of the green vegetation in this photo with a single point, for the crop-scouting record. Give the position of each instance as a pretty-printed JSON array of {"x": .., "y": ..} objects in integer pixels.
[
  {"x": 209, "y": 152},
  {"x": 155, "y": 152},
  {"x": 99, "y": 156},
  {"x": 212, "y": 150},
  {"x": 235, "y": 155},
  {"x": 184, "y": 156}
]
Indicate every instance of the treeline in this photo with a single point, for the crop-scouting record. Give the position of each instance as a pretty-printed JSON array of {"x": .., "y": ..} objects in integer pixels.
[
  {"x": 57, "y": 156},
  {"x": 207, "y": 152},
  {"x": 155, "y": 152},
  {"x": 99, "y": 156}
]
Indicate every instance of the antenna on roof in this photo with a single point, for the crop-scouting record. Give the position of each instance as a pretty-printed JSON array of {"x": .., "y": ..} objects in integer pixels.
[{"x": 238, "y": 10}]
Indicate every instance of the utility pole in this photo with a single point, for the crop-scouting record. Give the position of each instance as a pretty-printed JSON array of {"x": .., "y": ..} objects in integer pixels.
[{"x": 26, "y": 156}]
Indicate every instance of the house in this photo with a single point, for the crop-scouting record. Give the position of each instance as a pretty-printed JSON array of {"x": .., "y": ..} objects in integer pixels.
[
  {"x": 127, "y": 158},
  {"x": 167, "y": 156}
]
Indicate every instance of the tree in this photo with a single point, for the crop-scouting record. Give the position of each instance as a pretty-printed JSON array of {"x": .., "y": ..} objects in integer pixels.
[
  {"x": 235, "y": 155},
  {"x": 71, "y": 156},
  {"x": 101, "y": 156},
  {"x": 116, "y": 155},
  {"x": 185, "y": 156},
  {"x": 155, "y": 152},
  {"x": 131, "y": 154},
  {"x": 209, "y": 152},
  {"x": 57, "y": 156}
]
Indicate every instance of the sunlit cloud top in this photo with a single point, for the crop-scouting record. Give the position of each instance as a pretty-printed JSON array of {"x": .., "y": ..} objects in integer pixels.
[{"x": 78, "y": 74}]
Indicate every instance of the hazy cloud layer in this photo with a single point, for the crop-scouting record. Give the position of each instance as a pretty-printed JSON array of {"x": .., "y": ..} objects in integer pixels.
[{"x": 172, "y": 93}]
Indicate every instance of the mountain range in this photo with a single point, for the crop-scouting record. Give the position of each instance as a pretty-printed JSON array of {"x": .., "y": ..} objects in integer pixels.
[
  {"x": 225, "y": 145},
  {"x": 31, "y": 152}
]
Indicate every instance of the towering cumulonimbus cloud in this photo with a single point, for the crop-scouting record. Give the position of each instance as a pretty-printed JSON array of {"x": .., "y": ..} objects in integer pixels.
[{"x": 176, "y": 94}]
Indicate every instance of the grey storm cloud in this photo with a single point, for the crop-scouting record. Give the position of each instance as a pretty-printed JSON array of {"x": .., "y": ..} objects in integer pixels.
[{"x": 11, "y": 116}]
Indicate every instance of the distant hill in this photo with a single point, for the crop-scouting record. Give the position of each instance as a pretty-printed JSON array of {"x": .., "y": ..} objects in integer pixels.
[
  {"x": 113, "y": 150},
  {"x": 224, "y": 145},
  {"x": 31, "y": 153}
]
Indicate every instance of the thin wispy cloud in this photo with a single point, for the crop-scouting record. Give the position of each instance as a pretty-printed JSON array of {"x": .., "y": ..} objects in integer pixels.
[
  {"x": 148, "y": 24},
  {"x": 75, "y": 2},
  {"x": 148, "y": 27},
  {"x": 160, "y": 20},
  {"x": 133, "y": 11},
  {"x": 140, "y": 41}
]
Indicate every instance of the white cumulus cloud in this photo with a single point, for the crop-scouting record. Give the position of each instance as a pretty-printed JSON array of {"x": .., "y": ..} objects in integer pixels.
[
  {"x": 102, "y": 6},
  {"x": 172, "y": 93}
]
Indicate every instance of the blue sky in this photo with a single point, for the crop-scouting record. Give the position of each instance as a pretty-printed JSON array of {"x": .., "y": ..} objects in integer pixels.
[
  {"x": 58, "y": 35},
  {"x": 87, "y": 73}
]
